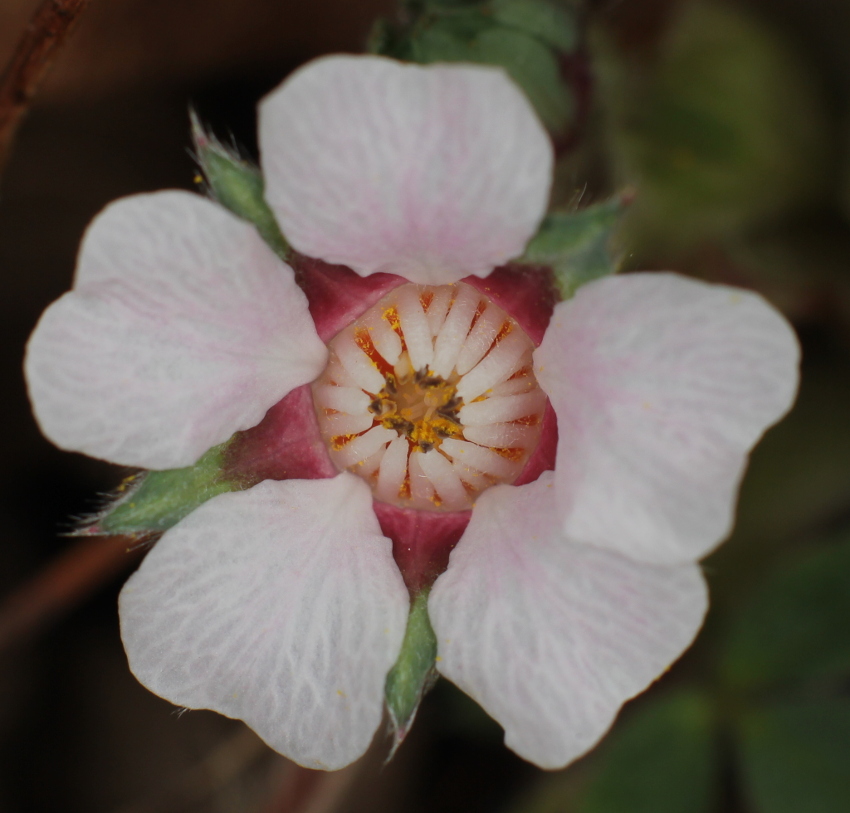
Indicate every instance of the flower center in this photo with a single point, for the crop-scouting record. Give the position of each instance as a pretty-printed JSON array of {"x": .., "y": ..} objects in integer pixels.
[{"x": 430, "y": 397}]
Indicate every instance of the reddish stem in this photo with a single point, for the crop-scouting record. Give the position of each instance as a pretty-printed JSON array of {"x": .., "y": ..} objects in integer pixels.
[
  {"x": 37, "y": 48},
  {"x": 63, "y": 583}
]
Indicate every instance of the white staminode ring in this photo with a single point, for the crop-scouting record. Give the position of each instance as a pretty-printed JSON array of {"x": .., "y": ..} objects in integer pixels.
[{"x": 430, "y": 397}]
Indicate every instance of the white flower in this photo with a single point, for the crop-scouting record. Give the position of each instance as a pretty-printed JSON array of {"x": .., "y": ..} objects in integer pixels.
[{"x": 282, "y": 605}]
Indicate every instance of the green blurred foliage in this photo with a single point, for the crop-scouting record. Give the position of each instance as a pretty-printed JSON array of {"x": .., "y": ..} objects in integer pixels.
[
  {"x": 722, "y": 129},
  {"x": 775, "y": 718},
  {"x": 672, "y": 737},
  {"x": 796, "y": 628},
  {"x": 799, "y": 263},
  {"x": 525, "y": 37},
  {"x": 798, "y": 479},
  {"x": 796, "y": 758}
]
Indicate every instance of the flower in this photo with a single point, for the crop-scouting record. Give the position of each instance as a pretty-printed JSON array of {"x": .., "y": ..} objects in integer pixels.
[{"x": 283, "y": 605}]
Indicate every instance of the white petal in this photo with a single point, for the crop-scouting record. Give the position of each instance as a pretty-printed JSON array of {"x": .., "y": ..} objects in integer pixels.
[
  {"x": 414, "y": 326},
  {"x": 343, "y": 399},
  {"x": 363, "y": 446},
  {"x": 433, "y": 173},
  {"x": 504, "y": 435},
  {"x": 342, "y": 424},
  {"x": 357, "y": 364},
  {"x": 477, "y": 457},
  {"x": 502, "y": 408},
  {"x": 393, "y": 470},
  {"x": 549, "y": 636},
  {"x": 422, "y": 492},
  {"x": 182, "y": 328},
  {"x": 281, "y": 606},
  {"x": 445, "y": 480},
  {"x": 439, "y": 307},
  {"x": 480, "y": 338},
  {"x": 385, "y": 339},
  {"x": 661, "y": 385},
  {"x": 497, "y": 366},
  {"x": 454, "y": 330}
]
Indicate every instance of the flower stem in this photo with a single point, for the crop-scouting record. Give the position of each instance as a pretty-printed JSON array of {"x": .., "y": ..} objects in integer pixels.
[{"x": 61, "y": 585}]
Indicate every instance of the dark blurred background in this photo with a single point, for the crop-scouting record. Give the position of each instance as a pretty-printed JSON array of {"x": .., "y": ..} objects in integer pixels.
[{"x": 732, "y": 122}]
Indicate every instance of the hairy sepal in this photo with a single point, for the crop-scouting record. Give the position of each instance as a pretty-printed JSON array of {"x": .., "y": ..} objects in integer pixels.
[
  {"x": 151, "y": 502},
  {"x": 578, "y": 246},
  {"x": 237, "y": 185},
  {"x": 414, "y": 672}
]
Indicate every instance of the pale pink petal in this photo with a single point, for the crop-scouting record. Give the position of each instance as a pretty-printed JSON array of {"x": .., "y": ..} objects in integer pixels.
[
  {"x": 281, "y": 606},
  {"x": 182, "y": 328},
  {"x": 661, "y": 385},
  {"x": 432, "y": 172},
  {"x": 551, "y": 637}
]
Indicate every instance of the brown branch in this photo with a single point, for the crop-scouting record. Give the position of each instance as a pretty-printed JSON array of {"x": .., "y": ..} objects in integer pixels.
[
  {"x": 228, "y": 763},
  {"x": 307, "y": 791},
  {"x": 65, "y": 582},
  {"x": 36, "y": 49}
]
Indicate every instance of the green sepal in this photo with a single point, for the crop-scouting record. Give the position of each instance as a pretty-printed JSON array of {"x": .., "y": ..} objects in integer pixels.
[
  {"x": 414, "y": 672},
  {"x": 796, "y": 627},
  {"x": 237, "y": 185},
  {"x": 794, "y": 757},
  {"x": 154, "y": 501},
  {"x": 578, "y": 245},
  {"x": 662, "y": 759}
]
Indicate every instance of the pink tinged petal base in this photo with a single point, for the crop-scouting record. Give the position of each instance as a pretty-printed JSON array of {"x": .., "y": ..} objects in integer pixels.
[
  {"x": 549, "y": 636},
  {"x": 266, "y": 606},
  {"x": 431, "y": 172},
  {"x": 182, "y": 328},
  {"x": 527, "y": 293},
  {"x": 661, "y": 385},
  {"x": 336, "y": 295},
  {"x": 422, "y": 540},
  {"x": 285, "y": 445}
]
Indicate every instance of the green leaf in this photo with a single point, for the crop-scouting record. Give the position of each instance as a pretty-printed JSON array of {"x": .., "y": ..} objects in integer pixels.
[
  {"x": 156, "y": 500},
  {"x": 577, "y": 245},
  {"x": 725, "y": 129},
  {"x": 529, "y": 62},
  {"x": 797, "y": 627},
  {"x": 663, "y": 759},
  {"x": 414, "y": 671},
  {"x": 237, "y": 185},
  {"x": 550, "y": 22},
  {"x": 388, "y": 39},
  {"x": 796, "y": 758},
  {"x": 524, "y": 37},
  {"x": 443, "y": 5}
]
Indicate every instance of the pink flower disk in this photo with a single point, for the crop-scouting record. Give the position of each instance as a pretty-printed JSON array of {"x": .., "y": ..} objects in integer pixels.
[{"x": 430, "y": 397}]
